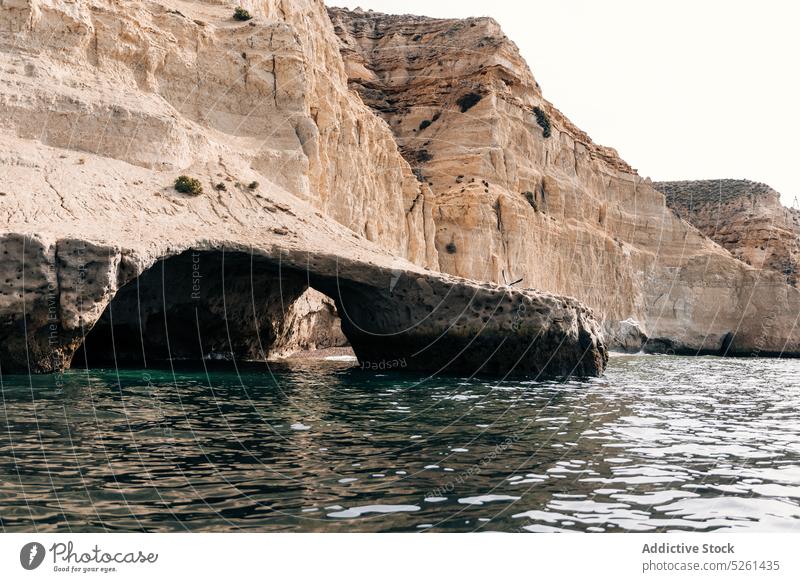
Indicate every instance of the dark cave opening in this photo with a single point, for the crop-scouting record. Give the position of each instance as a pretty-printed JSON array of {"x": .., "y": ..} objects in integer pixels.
[{"x": 193, "y": 307}]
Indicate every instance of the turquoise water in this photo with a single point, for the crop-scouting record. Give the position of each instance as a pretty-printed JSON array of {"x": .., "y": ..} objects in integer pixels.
[{"x": 658, "y": 444}]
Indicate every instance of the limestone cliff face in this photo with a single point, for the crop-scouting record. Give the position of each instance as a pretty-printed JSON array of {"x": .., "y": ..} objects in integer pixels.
[
  {"x": 178, "y": 85},
  {"x": 520, "y": 192},
  {"x": 104, "y": 103},
  {"x": 181, "y": 86},
  {"x": 745, "y": 217}
]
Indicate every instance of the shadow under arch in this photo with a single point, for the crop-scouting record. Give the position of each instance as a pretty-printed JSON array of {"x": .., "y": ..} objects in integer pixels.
[{"x": 223, "y": 305}]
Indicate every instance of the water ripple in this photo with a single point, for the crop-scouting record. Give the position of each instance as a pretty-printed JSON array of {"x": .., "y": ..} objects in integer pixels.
[{"x": 658, "y": 444}]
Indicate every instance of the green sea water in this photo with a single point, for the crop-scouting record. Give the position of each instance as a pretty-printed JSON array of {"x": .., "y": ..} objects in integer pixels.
[{"x": 657, "y": 444}]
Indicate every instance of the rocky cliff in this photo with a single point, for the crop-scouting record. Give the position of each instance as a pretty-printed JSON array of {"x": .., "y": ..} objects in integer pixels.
[
  {"x": 745, "y": 217},
  {"x": 294, "y": 183},
  {"x": 407, "y": 168},
  {"x": 171, "y": 85},
  {"x": 518, "y": 192}
]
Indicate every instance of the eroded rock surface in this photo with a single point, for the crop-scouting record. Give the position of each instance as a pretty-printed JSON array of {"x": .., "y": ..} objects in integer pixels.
[
  {"x": 745, "y": 217},
  {"x": 222, "y": 300},
  {"x": 311, "y": 323},
  {"x": 193, "y": 306},
  {"x": 519, "y": 192}
]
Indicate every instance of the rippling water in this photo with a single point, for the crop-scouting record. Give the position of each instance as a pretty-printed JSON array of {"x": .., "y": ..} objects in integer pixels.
[{"x": 658, "y": 444}]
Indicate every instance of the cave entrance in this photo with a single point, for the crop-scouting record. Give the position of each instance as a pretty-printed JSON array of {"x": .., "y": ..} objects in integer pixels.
[{"x": 210, "y": 305}]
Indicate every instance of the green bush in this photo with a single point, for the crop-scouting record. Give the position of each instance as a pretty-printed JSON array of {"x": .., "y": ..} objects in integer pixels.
[
  {"x": 531, "y": 198},
  {"x": 221, "y": 186},
  {"x": 451, "y": 248},
  {"x": 424, "y": 156},
  {"x": 241, "y": 14},
  {"x": 543, "y": 121},
  {"x": 188, "y": 185},
  {"x": 428, "y": 122},
  {"x": 252, "y": 185},
  {"x": 468, "y": 101}
]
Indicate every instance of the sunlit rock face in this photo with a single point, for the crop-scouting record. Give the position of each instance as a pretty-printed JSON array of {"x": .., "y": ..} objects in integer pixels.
[
  {"x": 176, "y": 85},
  {"x": 519, "y": 192}
]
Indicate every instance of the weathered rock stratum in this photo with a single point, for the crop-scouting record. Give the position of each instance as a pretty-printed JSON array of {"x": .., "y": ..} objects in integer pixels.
[
  {"x": 518, "y": 191},
  {"x": 745, "y": 217},
  {"x": 103, "y": 104}
]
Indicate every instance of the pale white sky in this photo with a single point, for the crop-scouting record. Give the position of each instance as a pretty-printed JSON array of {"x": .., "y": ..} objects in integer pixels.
[{"x": 682, "y": 89}]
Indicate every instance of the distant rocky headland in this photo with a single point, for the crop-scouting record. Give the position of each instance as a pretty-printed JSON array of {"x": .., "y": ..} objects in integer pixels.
[
  {"x": 181, "y": 181},
  {"x": 747, "y": 218}
]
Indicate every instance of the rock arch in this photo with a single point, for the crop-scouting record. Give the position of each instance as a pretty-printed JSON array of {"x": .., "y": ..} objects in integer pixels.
[{"x": 218, "y": 300}]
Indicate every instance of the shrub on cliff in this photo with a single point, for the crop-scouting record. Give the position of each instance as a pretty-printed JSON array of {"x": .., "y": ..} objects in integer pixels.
[
  {"x": 188, "y": 185},
  {"x": 468, "y": 101},
  {"x": 451, "y": 248},
  {"x": 424, "y": 156},
  {"x": 543, "y": 121},
  {"x": 241, "y": 14},
  {"x": 531, "y": 198},
  {"x": 428, "y": 122}
]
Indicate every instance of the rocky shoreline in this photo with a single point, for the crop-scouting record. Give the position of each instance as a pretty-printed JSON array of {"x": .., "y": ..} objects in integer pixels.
[
  {"x": 309, "y": 178},
  {"x": 105, "y": 305}
]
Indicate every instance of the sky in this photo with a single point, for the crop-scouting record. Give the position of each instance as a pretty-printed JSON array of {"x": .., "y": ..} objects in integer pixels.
[{"x": 681, "y": 89}]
